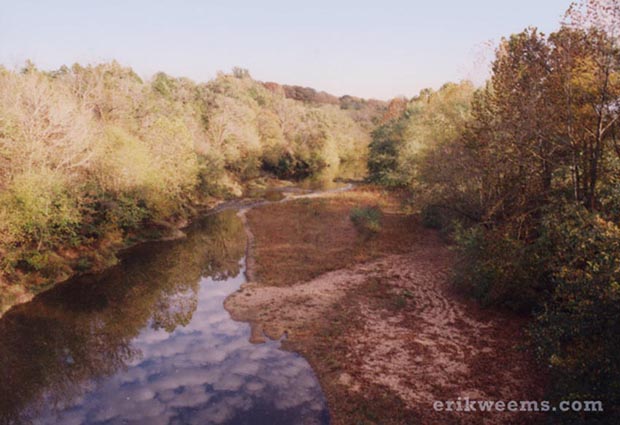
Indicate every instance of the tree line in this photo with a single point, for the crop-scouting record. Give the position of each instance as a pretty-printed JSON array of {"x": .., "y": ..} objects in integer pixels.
[{"x": 90, "y": 156}]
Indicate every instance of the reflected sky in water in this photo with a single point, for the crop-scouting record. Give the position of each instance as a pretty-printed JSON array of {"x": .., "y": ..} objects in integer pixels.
[{"x": 178, "y": 359}]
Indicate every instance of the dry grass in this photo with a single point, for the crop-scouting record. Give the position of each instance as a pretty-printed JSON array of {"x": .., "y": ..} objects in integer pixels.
[
  {"x": 327, "y": 346},
  {"x": 297, "y": 241}
]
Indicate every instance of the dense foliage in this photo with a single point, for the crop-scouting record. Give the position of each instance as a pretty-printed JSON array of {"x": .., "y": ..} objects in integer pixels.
[
  {"x": 524, "y": 174},
  {"x": 91, "y": 155}
]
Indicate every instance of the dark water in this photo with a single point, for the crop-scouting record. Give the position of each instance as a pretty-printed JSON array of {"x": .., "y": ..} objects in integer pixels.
[{"x": 150, "y": 342}]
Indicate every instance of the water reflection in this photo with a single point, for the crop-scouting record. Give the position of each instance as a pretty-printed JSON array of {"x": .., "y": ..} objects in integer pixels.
[{"x": 150, "y": 342}]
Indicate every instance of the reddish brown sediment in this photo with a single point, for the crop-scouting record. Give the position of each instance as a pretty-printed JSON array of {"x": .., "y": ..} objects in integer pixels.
[{"x": 382, "y": 327}]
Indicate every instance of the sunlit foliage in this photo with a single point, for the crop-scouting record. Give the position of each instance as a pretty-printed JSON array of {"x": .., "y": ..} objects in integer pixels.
[{"x": 90, "y": 156}]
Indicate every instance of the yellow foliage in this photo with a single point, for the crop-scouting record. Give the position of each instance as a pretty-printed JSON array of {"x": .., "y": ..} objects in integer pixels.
[{"x": 35, "y": 206}]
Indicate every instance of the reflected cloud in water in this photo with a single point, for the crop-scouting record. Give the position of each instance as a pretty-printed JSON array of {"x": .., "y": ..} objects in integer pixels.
[{"x": 187, "y": 363}]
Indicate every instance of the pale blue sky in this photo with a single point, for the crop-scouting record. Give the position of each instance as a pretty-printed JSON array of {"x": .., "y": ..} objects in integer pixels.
[{"x": 371, "y": 49}]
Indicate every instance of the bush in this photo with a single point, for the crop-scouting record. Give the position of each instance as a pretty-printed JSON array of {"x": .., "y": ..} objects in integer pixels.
[
  {"x": 383, "y": 156},
  {"x": 367, "y": 219},
  {"x": 499, "y": 270},
  {"x": 39, "y": 209},
  {"x": 434, "y": 218},
  {"x": 48, "y": 265},
  {"x": 576, "y": 334},
  {"x": 32, "y": 261}
]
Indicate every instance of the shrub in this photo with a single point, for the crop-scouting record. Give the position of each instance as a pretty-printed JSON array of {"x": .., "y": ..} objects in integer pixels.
[
  {"x": 576, "y": 334},
  {"x": 367, "y": 219},
  {"x": 38, "y": 208},
  {"x": 432, "y": 217},
  {"x": 383, "y": 155},
  {"x": 499, "y": 270},
  {"x": 48, "y": 265}
]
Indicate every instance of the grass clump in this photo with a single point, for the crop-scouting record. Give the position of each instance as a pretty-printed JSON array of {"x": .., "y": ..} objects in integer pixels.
[{"x": 367, "y": 219}]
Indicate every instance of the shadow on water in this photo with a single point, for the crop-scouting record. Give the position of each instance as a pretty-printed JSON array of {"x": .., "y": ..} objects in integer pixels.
[{"x": 149, "y": 342}]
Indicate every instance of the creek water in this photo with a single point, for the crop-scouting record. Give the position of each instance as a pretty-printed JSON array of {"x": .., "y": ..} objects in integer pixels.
[{"x": 149, "y": 342}]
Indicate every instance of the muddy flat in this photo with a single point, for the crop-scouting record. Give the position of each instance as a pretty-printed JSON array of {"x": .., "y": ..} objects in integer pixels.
[{"x": 376, "y": 316}]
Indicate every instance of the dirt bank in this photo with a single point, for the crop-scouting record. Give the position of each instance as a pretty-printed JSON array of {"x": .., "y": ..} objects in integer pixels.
[{"x": 377, "y": 318}]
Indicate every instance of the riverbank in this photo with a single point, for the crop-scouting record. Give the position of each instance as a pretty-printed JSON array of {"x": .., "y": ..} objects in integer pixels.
[
  {"x": 376, "y": 316},
  {"x": 68, "y": 261}
]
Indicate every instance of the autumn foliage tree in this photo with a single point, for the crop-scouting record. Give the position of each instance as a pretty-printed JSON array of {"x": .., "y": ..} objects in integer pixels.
[
  {"x": 94, "y": 157},
  {"x": 526, "y": 184}
]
